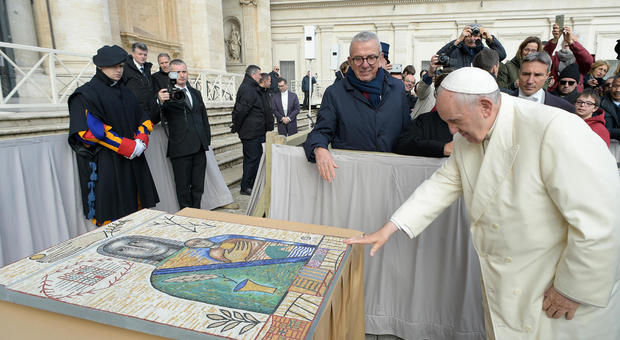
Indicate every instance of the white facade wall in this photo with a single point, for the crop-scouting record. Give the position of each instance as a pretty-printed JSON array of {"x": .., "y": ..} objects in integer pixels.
[{"x": 416, "y": 29}]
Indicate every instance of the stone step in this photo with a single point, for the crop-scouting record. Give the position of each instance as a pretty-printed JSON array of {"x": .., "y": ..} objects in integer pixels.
[
  {"x": 225, "y": 144},
  {"x": 232, "y": 175},
  {"x": 229, "y": 158}
]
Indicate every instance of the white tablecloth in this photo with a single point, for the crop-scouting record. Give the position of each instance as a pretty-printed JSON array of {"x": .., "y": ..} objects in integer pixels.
[
  {"x": 425, "y": 288},
  {"x": 40, "y": 202}
]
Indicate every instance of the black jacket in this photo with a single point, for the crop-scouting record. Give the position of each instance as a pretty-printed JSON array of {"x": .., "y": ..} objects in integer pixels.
[
  {"x": 160, "y": 80},
  {"x": 612, "y": 117},
  {"x": 426, "y": 136},
  {"x": 571, "y": 97},
  {"x": 250, "y": 118},
  {"x": 274, "y": 82},
  {"x": 188, "y": 128},
  {"x": 462, "y": 56},
  {"x": 142, "y": 87}
]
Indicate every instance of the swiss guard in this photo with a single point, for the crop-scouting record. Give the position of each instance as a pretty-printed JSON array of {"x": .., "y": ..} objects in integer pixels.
[{"x": 109, "y": 133}]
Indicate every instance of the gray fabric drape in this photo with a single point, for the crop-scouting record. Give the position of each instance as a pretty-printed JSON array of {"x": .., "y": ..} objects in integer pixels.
[
  {"x": 40, "y": 204},
  {"x": 428, "y": 287}
]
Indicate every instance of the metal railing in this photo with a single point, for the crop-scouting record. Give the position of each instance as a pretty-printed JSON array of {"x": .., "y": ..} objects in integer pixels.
[
  {"x": 317, "y": 89},
  {"x": 60, "y": 82},
  {"x": 45, "y": 78},
  {"x": 218, "y": 88}
]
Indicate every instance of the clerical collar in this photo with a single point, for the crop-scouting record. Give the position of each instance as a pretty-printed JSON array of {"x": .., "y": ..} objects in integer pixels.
[
  {"x": 538, "y": 97},
  {"x": 285, "y": 93}
]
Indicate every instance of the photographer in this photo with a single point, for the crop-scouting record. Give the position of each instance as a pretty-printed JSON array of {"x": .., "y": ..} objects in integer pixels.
[
  {"x": 572, "y": 52},
  {"x": 462, "y": 50},
  {"x": 185, "y": 115}
]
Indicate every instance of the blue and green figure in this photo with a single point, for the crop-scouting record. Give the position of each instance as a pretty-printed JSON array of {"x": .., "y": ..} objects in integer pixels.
[{"x": 235, "y": 271}]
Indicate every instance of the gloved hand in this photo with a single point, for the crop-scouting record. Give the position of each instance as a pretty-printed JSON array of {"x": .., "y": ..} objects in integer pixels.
[{"x": 138, "y": 150}]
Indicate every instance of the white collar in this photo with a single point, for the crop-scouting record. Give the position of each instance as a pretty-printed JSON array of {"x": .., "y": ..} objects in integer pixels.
[
  {"x": 285, "y": 93},
  {"x": 538, "y": 97},
  {"x": 137, "y": 64}
]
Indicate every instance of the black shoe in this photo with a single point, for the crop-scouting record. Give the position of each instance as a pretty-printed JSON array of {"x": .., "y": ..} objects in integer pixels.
[{"x": 247, "y": 192}]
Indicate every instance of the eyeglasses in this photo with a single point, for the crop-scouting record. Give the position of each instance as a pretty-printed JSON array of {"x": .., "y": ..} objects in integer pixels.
[
  {"x": 277, "y": 69},
  {"x": 567, "y": 82},
  {"x": 581, "y": 102},
  {"x": 371, "y": 60}
]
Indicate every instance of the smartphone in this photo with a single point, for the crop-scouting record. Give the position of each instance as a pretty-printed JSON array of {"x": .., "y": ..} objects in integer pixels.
[
  {"x": 559, "y": 20},
  {"x": 397, "y": 68}
]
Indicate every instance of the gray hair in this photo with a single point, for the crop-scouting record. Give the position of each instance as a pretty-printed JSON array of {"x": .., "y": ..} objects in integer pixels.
[
  {"x": 264, "y": 76},
  {"x": 252, "y": 69},
  {"x": 363, "y": 37},
  {"x": 177, "y": 62},
  {"x": 163, "y": 54},
  {"x": 541, "y": 57},
  {"x": 139, "y": 45}
]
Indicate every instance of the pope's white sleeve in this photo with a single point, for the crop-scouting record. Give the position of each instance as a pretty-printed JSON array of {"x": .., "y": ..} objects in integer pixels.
[
  {"x": 430, "y": 199},
  {"x": 581, "y": 177}
]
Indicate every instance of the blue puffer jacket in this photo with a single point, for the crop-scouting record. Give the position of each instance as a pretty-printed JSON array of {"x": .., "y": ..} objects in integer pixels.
[{"x": 347, "y": 120}]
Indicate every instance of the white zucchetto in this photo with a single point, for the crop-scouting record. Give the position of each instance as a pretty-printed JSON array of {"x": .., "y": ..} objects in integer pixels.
[{"x": 470, "y": 80}]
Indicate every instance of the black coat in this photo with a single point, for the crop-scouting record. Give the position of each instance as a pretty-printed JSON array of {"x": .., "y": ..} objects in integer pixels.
[
  {"x": 274, "y": 82},
  {"x": 142, "y": 86},
  {"x": 571, "y": 97},
  {"x": 251, "y": 114},
  {"x": 160, "y": 81},
  {"x": 461, "y": 56},
  {"x": 347, "y": 120},
  {"x": 426, "y": 136},
  {"x": 612, "y": 117},
  {"x": 118, "y": 181},
  {"x": 188, "y": 128}
]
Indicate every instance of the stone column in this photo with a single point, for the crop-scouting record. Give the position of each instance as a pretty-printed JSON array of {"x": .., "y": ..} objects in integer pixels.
[
  {"x": 325, "y": 40},
  {"x": 256, "y": 37},
  {"x": 386, "y": 34},
  {"x": 402, "y": 49},
  {"x": 21, "y": 21}
]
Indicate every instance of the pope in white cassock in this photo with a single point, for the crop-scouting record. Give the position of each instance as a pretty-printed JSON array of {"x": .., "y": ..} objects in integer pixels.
[{"x": 543, "y": 196}]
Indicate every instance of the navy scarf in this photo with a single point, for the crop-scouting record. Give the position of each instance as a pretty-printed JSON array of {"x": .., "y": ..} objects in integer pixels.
[{"x": 374, "y": 88}]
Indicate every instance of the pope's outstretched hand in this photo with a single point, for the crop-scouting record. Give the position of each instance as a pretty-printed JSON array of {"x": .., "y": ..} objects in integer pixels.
[{"x": 378, "y": 238}]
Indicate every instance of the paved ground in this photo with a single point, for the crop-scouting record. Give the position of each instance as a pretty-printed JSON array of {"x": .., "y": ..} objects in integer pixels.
[{"x": 240, "y": 206}]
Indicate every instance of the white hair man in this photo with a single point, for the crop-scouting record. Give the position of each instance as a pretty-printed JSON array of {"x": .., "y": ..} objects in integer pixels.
[
  {"x": 548, "y": 241},
  {"x": 366, "y": 110}
]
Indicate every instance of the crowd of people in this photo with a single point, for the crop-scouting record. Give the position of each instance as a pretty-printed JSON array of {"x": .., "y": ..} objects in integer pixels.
[{"x": 539, "y": 71}]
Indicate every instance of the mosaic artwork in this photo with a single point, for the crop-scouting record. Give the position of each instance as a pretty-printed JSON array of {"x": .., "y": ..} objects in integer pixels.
[{"x": 202, "y": 277}]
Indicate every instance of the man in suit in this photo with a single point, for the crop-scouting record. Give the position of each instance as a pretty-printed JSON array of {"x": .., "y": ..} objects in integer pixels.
[
  {"x": 285, "y": 108},
  {"x": 535, "y": 69},
  {"x": 137, "y": 77},
  {"x": 189, "y": 137},
  {"x": 548, "y": 241}
]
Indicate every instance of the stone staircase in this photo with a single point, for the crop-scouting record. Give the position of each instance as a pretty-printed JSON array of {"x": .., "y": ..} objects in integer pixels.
[{"x": 226, "y": 145}]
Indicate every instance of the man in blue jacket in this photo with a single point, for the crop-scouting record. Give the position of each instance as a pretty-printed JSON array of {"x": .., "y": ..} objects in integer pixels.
[
  {"x": 462, "y": 50},
  {"x": 366, "y": 110}
]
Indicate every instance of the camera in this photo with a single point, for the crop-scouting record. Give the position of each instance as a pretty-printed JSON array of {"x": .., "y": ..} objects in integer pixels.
[
  {"x": 397, "y": 68},
  {"x": 443, "y": 59},
  {"x": 176, "y": 94},
  {"x": 475, "y": 31}
]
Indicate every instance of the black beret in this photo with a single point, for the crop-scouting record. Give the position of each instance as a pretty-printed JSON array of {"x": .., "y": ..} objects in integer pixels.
[
  {"x": 571, "y": 71},
  {"x": 109, "y": 56}
]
